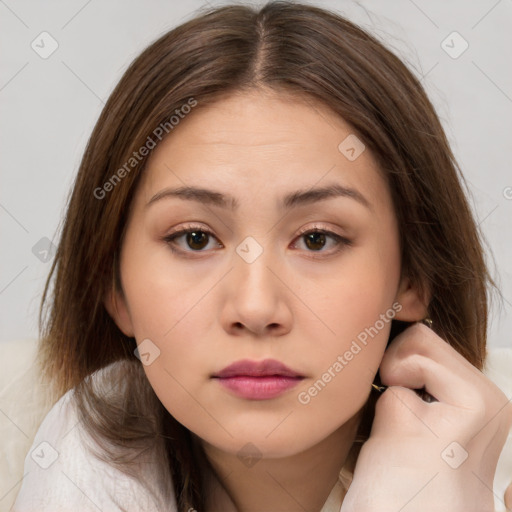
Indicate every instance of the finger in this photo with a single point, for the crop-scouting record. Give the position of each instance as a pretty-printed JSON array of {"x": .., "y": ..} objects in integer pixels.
[
  {"x": 415, "y": 371},
  {"x": 400, "y": 411},
  {"x": 508, "y": 497},
  {"x": 419, "y": 339}
]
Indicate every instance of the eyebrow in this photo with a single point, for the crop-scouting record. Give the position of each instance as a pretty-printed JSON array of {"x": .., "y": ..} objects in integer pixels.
[{"x": 291, "y": 200}]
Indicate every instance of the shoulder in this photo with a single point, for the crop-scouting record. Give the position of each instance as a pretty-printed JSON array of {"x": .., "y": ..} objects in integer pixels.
[{"x": 62, "y": 475}]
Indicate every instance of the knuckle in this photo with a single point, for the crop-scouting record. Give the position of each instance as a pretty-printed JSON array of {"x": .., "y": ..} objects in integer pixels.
[
  {"x": 393, "y": 368},
  {"x": 417, "y": 338}
]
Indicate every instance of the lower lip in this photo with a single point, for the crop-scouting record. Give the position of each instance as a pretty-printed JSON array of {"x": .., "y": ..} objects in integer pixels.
[{"x": 259, "y": 388}]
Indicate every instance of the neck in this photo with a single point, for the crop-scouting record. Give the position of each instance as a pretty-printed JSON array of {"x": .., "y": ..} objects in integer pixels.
[{"x": 298, "y": 483}]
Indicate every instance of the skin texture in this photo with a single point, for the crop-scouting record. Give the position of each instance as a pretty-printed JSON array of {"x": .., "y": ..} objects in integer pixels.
[{"x": 304, "y": 307}]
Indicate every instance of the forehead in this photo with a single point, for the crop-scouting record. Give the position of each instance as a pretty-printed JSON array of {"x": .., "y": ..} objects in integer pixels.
[{"x": 264, "y": 141}]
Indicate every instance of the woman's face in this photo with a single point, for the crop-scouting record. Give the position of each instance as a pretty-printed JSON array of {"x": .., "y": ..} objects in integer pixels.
[{"x": 257, "y": 171}]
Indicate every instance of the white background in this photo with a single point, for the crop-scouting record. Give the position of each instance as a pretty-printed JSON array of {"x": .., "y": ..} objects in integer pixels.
[{"x": 48, "y": 108}]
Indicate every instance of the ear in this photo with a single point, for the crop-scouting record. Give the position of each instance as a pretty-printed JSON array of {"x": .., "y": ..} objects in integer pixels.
[
  {"x": 115, "y": 304},
  {"x": 414, "y": 306}
]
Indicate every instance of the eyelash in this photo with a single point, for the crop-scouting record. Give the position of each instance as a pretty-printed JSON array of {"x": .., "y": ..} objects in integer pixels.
[{"x": 341, "y": 241}]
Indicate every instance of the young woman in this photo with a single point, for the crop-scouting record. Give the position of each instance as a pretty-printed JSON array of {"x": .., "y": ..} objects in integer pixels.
[{"x": 265, "y": 213}]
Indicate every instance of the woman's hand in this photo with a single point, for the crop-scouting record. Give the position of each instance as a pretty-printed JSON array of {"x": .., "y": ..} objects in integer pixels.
[
  {"x": 508, "y": 497},
  {"x": 437, "y": 456}
]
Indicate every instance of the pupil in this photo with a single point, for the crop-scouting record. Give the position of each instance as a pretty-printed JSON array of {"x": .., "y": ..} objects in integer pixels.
[
  {"x": 315, "y": 238},
  {"x": 196, "y": 237}
]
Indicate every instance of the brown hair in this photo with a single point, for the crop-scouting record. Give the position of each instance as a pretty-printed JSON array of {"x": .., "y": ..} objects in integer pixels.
[{"x": 290, "y": 48}]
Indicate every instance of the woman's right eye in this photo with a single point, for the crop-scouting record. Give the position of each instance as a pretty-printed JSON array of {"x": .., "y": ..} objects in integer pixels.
[{"x": 196, "y": 238}]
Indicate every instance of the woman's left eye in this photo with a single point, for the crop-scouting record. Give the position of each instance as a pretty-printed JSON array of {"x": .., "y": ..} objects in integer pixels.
[
  {"x": 315, "y": 239},
  {"x": 198, "y": 239}
]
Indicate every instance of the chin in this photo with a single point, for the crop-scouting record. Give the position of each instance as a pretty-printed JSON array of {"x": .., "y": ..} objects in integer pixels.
[{"x": 279, "y": 441}]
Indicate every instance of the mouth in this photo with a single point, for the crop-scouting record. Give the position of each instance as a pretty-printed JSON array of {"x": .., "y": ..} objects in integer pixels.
[{"x": 258, "y": 380}]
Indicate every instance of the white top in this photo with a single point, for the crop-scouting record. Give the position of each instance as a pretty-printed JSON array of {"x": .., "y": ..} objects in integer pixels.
[{"x": 61, "y": 475}]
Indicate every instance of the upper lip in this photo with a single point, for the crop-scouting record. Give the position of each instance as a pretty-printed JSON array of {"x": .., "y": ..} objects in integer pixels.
[{"x": 264, "y": 368}]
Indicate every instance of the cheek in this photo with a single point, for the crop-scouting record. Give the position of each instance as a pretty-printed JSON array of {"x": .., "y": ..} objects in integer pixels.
[
  {"x": 161, "y": 294},
  {"x": 358, "y": 305},
  {"x": 361, "y": 290},
  {"x": 170, "y": 314}
]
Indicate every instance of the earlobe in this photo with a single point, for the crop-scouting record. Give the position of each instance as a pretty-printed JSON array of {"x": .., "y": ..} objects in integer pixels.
[
  {"x": 414, "y": 305},
  {"x": 115, "y": 304}
]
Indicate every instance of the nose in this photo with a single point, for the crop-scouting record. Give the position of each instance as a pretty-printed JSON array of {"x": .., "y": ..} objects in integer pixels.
[{"x": 257, "y": 298}]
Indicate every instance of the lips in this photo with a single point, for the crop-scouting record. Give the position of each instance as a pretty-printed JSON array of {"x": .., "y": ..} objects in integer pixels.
[
  {"x": 258, "y": 380},
  {"x": 265, "y": 368}
]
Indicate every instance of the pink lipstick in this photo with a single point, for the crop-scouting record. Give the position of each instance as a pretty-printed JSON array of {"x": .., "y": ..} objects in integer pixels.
[{"x": 258, "y": 380}]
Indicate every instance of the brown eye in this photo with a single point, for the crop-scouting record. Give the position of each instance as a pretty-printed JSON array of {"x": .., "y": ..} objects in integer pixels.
[
  {"x": 315, "y": 240},
  {"x": 196, "y": 240}
]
